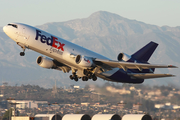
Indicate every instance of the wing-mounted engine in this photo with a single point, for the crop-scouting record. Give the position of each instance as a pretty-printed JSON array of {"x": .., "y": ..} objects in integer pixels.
[
  {"x": 52, "y": 64},
  {"x": 88, "y": 66},
  {"x": 45, "y": 62},
  {"x": 123, "y": 57},
  {"x": 84, "y": 61}
]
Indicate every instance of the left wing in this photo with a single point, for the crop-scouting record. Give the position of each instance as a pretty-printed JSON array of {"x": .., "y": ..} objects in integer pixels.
[
  {"x": 148, "y": 75},
  {"x": 129, "y": 65}
]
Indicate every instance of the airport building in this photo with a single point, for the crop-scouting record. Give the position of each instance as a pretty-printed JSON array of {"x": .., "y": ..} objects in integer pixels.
[{"x": 22, "y": 104}]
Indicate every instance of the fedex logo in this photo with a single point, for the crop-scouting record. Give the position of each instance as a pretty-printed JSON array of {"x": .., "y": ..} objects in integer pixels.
[
  {"x": 87, "y": 60},
  {"x": 52, "y": 41}
]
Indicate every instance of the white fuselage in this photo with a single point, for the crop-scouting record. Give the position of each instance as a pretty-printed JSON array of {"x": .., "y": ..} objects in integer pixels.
[{"x": 48, "y": 44}]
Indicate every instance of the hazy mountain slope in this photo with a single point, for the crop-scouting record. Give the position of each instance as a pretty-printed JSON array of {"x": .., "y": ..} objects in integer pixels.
[{"x": 102, "y": 32}]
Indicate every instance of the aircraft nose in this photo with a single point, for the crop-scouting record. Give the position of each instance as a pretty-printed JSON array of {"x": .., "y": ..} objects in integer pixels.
[{"x": 5, "y": 29}]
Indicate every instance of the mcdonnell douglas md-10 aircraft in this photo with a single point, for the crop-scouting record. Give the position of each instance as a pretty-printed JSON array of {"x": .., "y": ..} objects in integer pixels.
[{"x": 84, "y": 64}]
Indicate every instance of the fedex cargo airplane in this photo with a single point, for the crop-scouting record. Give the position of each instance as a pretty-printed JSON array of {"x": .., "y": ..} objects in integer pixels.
[{"x": 85, "y": 64}]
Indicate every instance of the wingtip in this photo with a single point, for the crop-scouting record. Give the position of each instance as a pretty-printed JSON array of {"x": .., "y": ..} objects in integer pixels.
[
  {"x": 172, "y": 66},
  {"x": 170, "y": 75},
  {"x": 173, "y": 75}
]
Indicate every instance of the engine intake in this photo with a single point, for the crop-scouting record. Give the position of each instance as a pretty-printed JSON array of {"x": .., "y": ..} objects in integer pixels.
[
  {"x": 123, "y": 57},
  {"x": 84, "y": 61},
  {"x": 45, "y": 62}
]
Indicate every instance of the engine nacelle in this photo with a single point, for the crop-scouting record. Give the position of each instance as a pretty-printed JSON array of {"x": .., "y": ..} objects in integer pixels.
[
  {"x": 45, "y": 62},
  {"x": 123, "y": 57},
  {"x": 84, "y": 61}
]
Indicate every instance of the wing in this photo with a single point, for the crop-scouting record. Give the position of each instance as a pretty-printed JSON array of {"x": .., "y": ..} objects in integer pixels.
[
  {"x": 149, "y": 75},
  {"x": 129, "y": 65}
]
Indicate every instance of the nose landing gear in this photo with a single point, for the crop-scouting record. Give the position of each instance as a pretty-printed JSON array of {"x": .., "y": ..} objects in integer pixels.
[
  {"x": 22, "y": 53},
  {"x": 23, "y": 47}
]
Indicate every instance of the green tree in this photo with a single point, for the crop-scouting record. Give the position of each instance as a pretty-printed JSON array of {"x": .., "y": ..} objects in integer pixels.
[{"x": 7, "y": 114}]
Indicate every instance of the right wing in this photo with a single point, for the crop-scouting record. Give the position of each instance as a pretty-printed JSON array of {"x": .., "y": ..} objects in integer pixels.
[{"x": 129, "y": 65}]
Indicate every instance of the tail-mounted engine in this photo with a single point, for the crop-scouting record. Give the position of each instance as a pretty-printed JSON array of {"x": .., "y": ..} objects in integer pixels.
[
  {"x": 84, "y": 61},
  {"x": 123, "y": 57}
]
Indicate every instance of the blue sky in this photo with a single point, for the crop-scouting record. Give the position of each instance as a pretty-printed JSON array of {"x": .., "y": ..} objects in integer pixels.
[{"x": 38, "y": 12}]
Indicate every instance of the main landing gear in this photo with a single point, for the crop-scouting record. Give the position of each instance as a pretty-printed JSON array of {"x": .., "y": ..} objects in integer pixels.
[
  {"x": 85, "y": 78},
  {"x": 88, "y": 75},
  {"x": 74, "y": 77}
]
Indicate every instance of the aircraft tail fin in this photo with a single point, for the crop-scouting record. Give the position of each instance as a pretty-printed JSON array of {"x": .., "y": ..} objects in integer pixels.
[{"x": 145, "y": 53}]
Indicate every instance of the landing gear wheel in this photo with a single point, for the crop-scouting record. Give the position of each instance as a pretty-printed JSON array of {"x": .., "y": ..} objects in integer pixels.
[
  {"x": 94, "y": 78},
  {"x": 76, "y": 79},
  {"x": 84, "y": 78},
  {"x": 22, "y": 53},
  {"x": 71, "y": 77},
  {"x": 74, "y": 76},
  {"x": 89, "y": 76}
]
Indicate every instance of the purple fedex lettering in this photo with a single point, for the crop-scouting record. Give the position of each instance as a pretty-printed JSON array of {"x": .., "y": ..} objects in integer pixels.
[
  {"x": 49, "y": 41},
  {"x": 52, "y": 41},
  {"x": 43, "y": 38}
]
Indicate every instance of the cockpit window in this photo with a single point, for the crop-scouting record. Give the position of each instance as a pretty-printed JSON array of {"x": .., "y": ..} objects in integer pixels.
[{"x": 13, "y": 25}]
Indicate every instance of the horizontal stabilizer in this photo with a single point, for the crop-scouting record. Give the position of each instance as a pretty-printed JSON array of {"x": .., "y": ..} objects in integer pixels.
[{"x": 149, "y": 76}]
